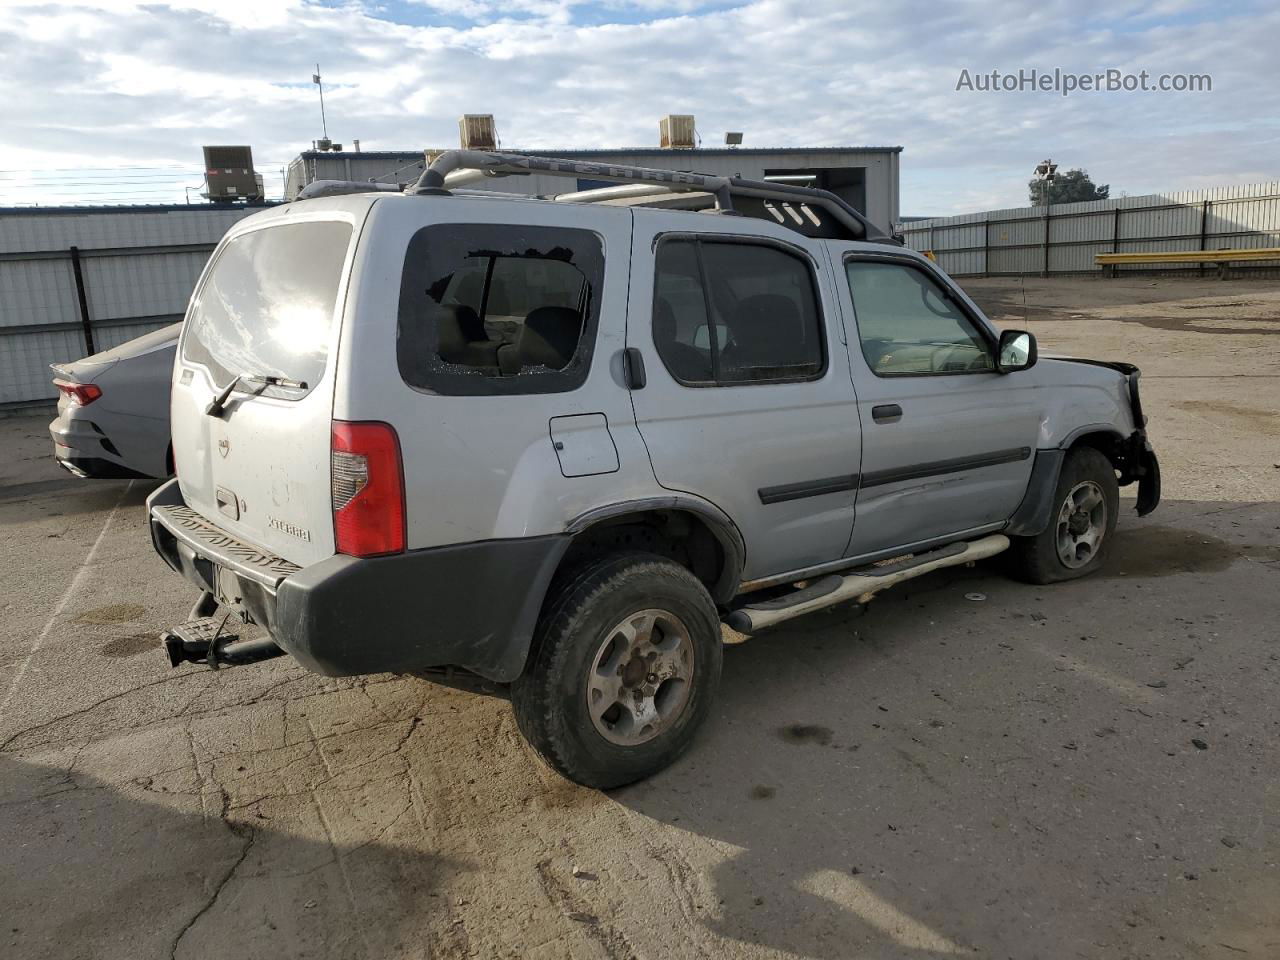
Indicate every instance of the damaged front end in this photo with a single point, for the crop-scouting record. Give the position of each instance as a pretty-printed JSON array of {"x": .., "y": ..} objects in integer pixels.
[{"x": 1135, "y": 460}]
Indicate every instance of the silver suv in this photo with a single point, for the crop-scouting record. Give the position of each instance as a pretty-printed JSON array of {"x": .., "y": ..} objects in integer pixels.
[{"x": 558, "y": 442}]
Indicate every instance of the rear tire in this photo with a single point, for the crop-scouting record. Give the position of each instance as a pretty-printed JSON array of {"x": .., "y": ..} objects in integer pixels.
[
  {"x": 625, "y": 663},
  {"x": 1081, "y": 526}
]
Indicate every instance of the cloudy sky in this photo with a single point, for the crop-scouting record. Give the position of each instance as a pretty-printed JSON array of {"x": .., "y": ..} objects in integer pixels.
[{"x": 106, "y": 100}]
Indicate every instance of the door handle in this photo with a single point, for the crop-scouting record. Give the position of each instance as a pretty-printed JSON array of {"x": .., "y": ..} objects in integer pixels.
[
  {"x": 633, "y": 362},
  {"x": 886, "y": 413}
]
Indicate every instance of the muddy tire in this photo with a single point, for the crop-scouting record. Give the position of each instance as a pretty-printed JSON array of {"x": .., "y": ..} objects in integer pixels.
[
  {"x": 1081, "y": 526},
  {"x": 625, "y": 663}
]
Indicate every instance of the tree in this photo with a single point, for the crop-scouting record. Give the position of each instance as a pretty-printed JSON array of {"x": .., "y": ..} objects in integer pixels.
[{"x": 1069, "y": 187}]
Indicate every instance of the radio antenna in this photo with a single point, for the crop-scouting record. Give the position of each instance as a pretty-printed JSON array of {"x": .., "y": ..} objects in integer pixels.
[{"x": 315, "y": 78}]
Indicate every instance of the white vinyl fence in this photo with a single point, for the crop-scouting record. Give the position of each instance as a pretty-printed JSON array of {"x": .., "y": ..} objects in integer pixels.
[{"x": 1063, "y": 238}]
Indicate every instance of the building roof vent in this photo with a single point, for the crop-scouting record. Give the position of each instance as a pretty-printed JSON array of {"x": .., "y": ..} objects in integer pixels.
[
  {"x": 477, "y": 131},
  {"x": 676, "y": 132}
]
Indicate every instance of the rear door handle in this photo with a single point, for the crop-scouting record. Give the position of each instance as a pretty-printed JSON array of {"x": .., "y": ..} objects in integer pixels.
[
  {"x": 886, "y": 413},
  {"x": 633, "y": 362}
]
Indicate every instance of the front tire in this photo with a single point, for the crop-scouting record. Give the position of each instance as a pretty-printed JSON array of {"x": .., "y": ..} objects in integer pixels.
[
  {"x": 625, "y": 663},
  {"x": 1081, "y": 527}
]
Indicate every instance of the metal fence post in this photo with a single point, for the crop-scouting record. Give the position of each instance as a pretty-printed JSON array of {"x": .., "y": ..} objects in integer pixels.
[
  {"x": 1044, "y": 270},
  {"x": 85, "y": 322},
  {"x": 1110, "y": 269},
  {"x": 1204, "y": 228},
  {"x": 986, "y": 246}
]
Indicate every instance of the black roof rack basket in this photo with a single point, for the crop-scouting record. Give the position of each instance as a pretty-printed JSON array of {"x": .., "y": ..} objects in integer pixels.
[{"x": 799, "y": 208}]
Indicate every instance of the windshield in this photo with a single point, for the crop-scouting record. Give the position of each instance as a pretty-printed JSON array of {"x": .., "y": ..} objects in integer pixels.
[{"x": 266, "y": 308}]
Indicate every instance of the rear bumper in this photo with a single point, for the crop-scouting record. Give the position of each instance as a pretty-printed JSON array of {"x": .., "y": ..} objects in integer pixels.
[
  {"x": 95, "y": 468},
  {"x": 84, "y": 449},
  {"x": 471, "y": 605}
]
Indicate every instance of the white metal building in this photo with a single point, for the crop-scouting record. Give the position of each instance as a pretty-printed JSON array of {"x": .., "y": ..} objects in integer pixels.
[
  {"x": 864, "y": 177},
  {"x": 79, "y": 280}
]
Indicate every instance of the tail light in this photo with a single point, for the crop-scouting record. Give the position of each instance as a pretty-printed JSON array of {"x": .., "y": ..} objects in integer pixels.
[
  {"x": 367, "y": 484},
  {"x": 81, "y": 393}
]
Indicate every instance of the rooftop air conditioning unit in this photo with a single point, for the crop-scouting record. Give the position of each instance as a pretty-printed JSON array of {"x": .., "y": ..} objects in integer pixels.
[
  {"x": 229, "y": 174},
  {"x": 477, "y": 131},
  {"x": 675, "y": 132}
]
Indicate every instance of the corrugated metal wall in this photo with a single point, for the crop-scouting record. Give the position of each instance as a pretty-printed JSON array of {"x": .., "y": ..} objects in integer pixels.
[
  {"x": 1014, "y": 240},
  {"x": 137, "y": 269}
]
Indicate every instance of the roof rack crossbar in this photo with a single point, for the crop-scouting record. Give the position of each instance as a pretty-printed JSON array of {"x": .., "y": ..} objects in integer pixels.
[
  {"x": 446, "y": 167},
  {"x": 434, "y": 177}
]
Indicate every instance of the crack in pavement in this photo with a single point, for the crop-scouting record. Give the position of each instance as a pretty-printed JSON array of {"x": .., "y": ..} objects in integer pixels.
[
  {"x": 158, "y": 721},
  {"x": 328, "y": 832},
  {"x": 4, "y": 746},
  {"x": 252, "y": 836},
  {"x": 245, "y": 831}
]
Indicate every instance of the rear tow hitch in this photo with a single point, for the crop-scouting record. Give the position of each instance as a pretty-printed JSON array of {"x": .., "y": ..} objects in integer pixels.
[{"x": 202, "y": 640}]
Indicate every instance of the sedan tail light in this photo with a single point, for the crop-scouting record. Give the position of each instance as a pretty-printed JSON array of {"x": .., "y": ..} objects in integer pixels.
[
  {"x": 367, "y": 489},
  {"x": 81, "y": 393}
]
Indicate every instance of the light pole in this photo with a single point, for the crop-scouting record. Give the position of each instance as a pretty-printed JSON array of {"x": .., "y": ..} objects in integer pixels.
[{"x": 1046, "y": 173}]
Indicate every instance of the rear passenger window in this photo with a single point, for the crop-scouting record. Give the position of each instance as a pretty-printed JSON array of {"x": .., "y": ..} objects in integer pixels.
[
  {"x": 735, "y": 312},
  {"x": 489, "y": 308}
]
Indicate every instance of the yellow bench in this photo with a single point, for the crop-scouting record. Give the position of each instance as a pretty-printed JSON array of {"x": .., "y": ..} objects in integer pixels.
[{"x": 1223, "y": 258}]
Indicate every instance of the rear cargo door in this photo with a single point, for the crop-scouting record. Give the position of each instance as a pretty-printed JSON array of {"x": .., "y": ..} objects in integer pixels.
[{"x": 265, "y": 313}]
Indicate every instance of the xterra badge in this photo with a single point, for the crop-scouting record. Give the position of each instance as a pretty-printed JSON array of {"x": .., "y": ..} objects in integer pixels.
[{"x": 289, "y": 528}]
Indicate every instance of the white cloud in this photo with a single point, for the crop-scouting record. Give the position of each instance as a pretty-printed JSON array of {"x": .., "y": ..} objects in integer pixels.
[{"x": 106, "y": 83}]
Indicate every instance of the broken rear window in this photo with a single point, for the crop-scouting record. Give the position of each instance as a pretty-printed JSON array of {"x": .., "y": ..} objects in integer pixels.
[{"x": 497, "y": 308}]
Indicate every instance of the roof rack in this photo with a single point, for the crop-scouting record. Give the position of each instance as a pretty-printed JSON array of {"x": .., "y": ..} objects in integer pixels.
[{"x": 798, "y": 208}]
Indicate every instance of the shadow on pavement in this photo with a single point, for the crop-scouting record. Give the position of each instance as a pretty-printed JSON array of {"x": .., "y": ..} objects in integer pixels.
[
  {"x": 1010, "y": 776},
  {"x": 92, "y": 870},
  {"x": 20, "y": 503}
]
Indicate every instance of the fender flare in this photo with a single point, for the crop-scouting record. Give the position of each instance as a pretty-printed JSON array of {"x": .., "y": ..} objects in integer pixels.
[{"x": 721, "y": 526}]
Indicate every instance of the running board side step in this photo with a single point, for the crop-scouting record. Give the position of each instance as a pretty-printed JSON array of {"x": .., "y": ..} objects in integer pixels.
[{"x": 861, "y": 584}]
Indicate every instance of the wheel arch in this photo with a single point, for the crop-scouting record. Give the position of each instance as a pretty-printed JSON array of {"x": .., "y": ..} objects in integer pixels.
[
  {"x": 1106, "y": 439},
  {"x": 693, "y": 533},
  {"x": 1034, "y": 513}
]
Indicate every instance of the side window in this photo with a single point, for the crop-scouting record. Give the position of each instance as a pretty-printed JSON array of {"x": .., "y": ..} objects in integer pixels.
[
  {"x": 490, "y": 309},
  {"x": 680, "y": 330},
  {"x": 907, "y": 326},
  {"x": 735, "y": 312}
]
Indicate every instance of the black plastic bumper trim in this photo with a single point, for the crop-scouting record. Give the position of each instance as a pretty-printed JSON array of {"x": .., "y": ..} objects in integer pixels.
[
  {"x": 1149, "y": 478},
  {"x": 473, "y": 605},
  {"x": 470, "y": 605}
]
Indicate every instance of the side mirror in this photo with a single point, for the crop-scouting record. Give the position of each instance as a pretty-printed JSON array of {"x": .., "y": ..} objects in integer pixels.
[{"x": 1017, "y": 351}]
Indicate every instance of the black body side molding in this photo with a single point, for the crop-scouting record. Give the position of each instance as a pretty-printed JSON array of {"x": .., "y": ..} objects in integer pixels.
[
  {"x": 937, "y": 468},
  {"x": 807, "y": 488}
]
